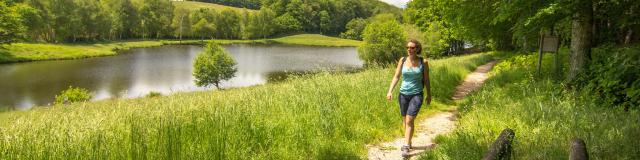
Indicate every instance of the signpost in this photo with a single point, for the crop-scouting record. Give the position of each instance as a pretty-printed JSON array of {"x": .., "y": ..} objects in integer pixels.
[{"x": 548, "y": 43}]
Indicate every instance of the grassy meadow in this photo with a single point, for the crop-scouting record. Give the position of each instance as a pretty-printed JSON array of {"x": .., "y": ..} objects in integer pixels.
[
  {"x": 23, "y": 52},
  {"x": 320, "y": 116},
  {"x": 194, "y": 6},
  {"x": 544, "y": 116}
]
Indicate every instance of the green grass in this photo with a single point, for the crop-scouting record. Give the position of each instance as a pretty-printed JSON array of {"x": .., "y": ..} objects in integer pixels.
[
  {"x": 320, "y": 116},
  {"x": 300, "y": 39},
  {"x": 543, "y": 115},
  {"x": 23, "y": 52},
  {"x": 193, "y": 6},
  {"x": 317, "y": 40}
]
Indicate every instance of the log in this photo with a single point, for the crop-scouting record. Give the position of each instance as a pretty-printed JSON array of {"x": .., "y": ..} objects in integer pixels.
[
  {"x": 578, "y": 150},
  {"x": 501, "y": 148}
]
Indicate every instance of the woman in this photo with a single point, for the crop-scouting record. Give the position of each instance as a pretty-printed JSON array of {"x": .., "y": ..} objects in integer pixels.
[{"x": 415, "y": 78}]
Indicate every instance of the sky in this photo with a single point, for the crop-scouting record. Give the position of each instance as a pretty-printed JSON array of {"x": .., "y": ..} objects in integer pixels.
[{"x": 399, "y": 3}]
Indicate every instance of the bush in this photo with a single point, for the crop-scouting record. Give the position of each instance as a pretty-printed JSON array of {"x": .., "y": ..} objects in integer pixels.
[
  {"x": 213, "y": 65},
  {"x": 153, "y": 94},
  {"x": 384, "y": 42},
  {"x": 73, "y": 94},
  {"x": 612, "y": 76}
]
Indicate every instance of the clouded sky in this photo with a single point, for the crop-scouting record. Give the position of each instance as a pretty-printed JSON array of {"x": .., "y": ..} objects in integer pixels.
[{"x": 399, "y": 3}]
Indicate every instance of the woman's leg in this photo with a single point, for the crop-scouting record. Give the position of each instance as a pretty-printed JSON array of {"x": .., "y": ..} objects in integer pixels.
[
  {"x": 408, "y": 128},
  {"x": 412, "y": 112}
]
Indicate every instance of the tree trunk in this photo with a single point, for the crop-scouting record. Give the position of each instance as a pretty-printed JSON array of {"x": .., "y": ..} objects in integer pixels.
[
  {"x": 581, "y": 36},
  {"x": 627, "y": 38}
]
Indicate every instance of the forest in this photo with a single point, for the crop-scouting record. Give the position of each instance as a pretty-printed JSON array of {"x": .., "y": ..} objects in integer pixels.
[{"x": 57, "y": 21}]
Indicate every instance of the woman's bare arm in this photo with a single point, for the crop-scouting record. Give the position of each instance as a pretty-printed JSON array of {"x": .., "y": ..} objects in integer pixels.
[
  {"x": 426, "y": 81},
  {"x": 396, "y": 77}
]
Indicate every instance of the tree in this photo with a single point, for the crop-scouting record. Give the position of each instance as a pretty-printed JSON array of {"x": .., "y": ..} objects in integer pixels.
[
  {"x": 325, "y": 22},
  {"x": 355, "y": 27},
  {"x": 287, "y": 23},
  {"x": 228, "y": 24},
  {"x": 259, "y": 25},
  {"x": 207, "y": 14},
  {"x": 11, "y": 27},
  {"x": 204, "y": 28},
  {"x": 580, "y": 37},
  {"x": 213, "y": 66},
  {"x": 383, "y": 43},
  {"x": 180, "y": 22},
  {"x": 265, "y": 19}
]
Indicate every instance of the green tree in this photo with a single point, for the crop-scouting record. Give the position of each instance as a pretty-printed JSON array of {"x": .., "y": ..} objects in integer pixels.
[
  {"x": 213, "y": 66},
  {"x": 325, "y": 22},
  {"x": 287, "y": 23},
  {"x": 304, "y": 13},
  {"x": 204, "y": 28},
  {"x": 11, "y": 26},
  {"x": 383, "y": 43},
  {"x": 355, "y": 27},
  {"x": 259, "y": 25},
  {"x": 207, "y": 14},
  {"x": 229, "y": 25},
  {"x": 181, "y": 22},
  {"x": 123, "y": 16}
]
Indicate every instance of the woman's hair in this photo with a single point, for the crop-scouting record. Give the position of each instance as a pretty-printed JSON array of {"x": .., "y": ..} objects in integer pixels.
[{"x": 418, "y": 45}]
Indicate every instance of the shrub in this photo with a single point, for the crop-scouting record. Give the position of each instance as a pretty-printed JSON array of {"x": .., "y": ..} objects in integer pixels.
[
  {"x": 384, "y": 42},
  {"x": 612, "y": 76},
  {"x": 213, "y": 65},
  {"x": 153, "y": 94},
  {"x": 73, "y": 94}
]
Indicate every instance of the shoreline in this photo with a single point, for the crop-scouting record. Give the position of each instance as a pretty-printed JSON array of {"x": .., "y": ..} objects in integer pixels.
[{"x": 30, "y": 52}]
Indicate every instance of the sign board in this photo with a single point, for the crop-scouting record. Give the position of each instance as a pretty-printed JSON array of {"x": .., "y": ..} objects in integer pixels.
[{"x": 550, "y": 44}]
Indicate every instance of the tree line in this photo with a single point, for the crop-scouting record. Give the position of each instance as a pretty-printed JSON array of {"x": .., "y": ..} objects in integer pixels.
[
  {"x": 95, "y": 20},
  {"x": 251, "y": 4},
  {"x": 517, "y": 24},
  {"x": 600, "y": 35}
]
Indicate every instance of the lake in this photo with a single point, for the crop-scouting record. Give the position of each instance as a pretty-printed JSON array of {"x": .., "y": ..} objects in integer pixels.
[{"x": 165, "y": 69}]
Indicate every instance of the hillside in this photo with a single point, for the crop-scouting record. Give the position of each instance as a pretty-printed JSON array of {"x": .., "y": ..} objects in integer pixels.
[{"x": 191, "y": 5}]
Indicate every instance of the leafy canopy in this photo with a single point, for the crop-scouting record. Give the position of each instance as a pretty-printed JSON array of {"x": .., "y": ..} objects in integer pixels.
[{"x": 213, "y": 66}]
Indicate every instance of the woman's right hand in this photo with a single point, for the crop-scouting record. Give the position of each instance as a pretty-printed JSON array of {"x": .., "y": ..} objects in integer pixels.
[{"x": 389, "y": 96}]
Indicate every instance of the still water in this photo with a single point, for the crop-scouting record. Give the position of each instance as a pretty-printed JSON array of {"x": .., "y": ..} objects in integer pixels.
[{"x": 165, "y": 69}]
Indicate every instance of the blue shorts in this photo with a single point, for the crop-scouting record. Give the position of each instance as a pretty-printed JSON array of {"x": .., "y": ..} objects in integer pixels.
[{"x": 410, "y": 104}]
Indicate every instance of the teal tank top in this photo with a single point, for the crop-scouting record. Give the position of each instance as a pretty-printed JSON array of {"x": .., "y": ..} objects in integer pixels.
[{"x": 411, "y": 79}]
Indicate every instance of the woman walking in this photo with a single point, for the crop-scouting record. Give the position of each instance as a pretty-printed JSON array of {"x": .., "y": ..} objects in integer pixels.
[{"x": 415, "y": 79}]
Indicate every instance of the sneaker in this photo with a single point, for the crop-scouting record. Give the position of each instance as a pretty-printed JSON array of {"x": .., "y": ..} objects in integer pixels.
[{"x": 405, "y": 151}]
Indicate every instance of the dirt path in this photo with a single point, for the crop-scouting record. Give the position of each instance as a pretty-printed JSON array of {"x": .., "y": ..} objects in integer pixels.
[{"x": 429, "y": 128}]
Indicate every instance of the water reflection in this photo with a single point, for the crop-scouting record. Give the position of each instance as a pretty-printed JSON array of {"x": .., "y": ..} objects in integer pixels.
[{"x": 165, "y": 69}]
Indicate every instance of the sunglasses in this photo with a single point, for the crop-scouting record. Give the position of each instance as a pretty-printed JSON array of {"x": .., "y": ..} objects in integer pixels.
[{"x": 411, "y": 47}]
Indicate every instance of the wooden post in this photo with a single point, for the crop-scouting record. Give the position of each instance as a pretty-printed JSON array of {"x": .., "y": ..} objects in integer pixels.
[
  {"x": 501, "y": 148},
  {"x": 540, "y": 53},
  {"x": 578, "y": 150},
  {"x": 556, "y": 61}
]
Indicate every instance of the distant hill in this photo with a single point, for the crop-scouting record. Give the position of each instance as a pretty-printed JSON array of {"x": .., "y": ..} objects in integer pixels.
[{"x": 191, "y": 5}]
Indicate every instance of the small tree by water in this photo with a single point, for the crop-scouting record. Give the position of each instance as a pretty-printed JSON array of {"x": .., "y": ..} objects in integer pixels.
[
  {"x": 384, "y": 42},
  {"x": 213, "y": 66}
]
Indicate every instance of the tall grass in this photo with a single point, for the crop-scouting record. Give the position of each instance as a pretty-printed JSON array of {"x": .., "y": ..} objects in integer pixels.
[
  {"x": 322, "y": 116},
  {"x": 544, "y": 116}
]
